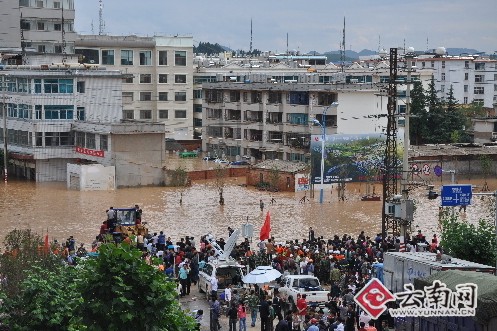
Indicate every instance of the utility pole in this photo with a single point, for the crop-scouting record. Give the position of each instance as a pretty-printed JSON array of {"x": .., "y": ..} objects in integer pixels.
[{"x": 4, "y": 113}]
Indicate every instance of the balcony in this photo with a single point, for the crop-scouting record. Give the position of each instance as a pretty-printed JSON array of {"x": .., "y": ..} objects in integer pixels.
[{"x": 494, "y": 137}]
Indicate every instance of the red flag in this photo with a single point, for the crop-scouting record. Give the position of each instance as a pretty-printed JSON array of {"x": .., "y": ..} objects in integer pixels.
[{"x": 266, "y": 228}]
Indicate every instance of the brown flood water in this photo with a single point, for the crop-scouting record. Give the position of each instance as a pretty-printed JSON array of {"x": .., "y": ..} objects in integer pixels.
[{"x": 64, "y": 212}]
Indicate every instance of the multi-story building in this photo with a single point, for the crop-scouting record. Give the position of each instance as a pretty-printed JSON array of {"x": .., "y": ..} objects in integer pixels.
[
  {"x": 44, "y": 26},
  {"x": 473, "y": 78},
  {"x": 157, "y": 86},
  {"x": 62, "y": 113},
  {"x": 266, "y": 111}
]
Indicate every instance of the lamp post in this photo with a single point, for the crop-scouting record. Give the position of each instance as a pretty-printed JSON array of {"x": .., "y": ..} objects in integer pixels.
[{"x": 323, "y": 138}]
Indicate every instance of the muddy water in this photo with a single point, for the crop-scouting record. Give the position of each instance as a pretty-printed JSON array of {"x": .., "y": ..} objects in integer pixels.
[{"x": 63, "y": 212}]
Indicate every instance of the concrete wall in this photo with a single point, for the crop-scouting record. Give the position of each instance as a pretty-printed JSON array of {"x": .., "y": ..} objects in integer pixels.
[
  {"x": 51, "y": 170},
  {"x": 94, "y": 177},
  {"x": 286, "y": 181},
  {"x": 212, "y": 174},
  {"x": 135, "y": 164},
  {"x": 9, "y": 24}
]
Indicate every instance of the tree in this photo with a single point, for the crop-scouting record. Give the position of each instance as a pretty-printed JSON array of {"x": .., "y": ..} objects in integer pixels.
[
  {"x": 23, "y": 250},
  {"x": 47, "y": 301},
  {"x": 417, "y": 123},
  {"x": 120, "y": 291},
  {"x": 467, "y": 241}
]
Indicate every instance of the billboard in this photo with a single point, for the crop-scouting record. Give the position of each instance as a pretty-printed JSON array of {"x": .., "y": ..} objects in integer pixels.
[
  {"x": 350, "y": 157},
  {"x": 302, "y": 182}
]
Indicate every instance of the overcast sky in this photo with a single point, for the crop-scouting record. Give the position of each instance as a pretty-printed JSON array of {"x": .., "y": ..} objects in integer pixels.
[{"x": 311, "y": 25}]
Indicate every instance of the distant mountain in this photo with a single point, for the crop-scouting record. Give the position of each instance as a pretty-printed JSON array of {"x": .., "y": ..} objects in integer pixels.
[{"x": 459, "y": 51}]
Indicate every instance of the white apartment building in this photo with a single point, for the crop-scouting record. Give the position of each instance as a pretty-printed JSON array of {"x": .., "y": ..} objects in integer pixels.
[
  {"x": 44, "y": 26},
  {"x": 265, "y": 111},
  {"x": 158, "y": 77},
  {"x": 473, "y": 78}
]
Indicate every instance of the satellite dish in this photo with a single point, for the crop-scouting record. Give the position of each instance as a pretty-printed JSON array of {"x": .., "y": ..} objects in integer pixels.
[
  {"x": 410, "y": 49},
  {"x": 440, "y": 51}
]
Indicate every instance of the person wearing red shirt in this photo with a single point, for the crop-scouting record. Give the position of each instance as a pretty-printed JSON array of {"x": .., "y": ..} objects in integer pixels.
[{"x": 301, "y": 307}]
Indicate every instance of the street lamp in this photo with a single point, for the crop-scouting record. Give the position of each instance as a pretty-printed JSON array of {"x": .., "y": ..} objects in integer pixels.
[
  {"x": 4, "y": 114},
  {"x": 323, "y": 138}
]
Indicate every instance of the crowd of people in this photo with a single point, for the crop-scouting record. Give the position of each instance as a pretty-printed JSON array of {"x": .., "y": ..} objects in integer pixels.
[{"x": 344, "y": 264}]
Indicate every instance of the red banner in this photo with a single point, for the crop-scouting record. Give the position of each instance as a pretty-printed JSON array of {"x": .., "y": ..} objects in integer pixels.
[{"x": 90, "y": 152}]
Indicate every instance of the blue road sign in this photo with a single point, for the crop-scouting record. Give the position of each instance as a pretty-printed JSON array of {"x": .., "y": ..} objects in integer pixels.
[{"x": 456, "y": 195}]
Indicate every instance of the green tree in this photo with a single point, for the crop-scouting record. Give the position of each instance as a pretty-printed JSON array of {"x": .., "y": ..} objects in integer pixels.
[
  {"x": 122, "y": 292},
  {"x": 23, "y": 249},
  {"x": 48, "y": 300},
  {"x": 417, "y": 123},
  {"x": 467, "y": 241}
]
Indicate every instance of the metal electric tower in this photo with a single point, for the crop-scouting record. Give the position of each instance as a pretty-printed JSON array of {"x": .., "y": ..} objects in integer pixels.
[{"x": 391, "y": 171}]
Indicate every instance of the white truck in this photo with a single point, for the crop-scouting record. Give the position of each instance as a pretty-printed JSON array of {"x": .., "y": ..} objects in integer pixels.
[
  {"x": 304, "y": 284},
  {"x": 400, "y": 268}
]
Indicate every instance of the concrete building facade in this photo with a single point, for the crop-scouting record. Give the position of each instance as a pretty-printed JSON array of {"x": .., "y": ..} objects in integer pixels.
[
  {"x": 158, "y": 77},
  {"x": 44, "y": 26}
]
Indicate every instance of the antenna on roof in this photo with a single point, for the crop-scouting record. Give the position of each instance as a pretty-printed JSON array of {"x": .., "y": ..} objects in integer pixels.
[
  {"x": 287, "y": 53},
  {"x": 342, "y": 48},
  {"x": 427, "y": 44},
  {"x": 23, "y": 43},
  {"x": 92, "y": 29},
  {"x": 379, "y": 43},
  {"x": 250, "y": 35},
  {"x": 63, "y": 35},
  {"x": 101, "y": 23}
]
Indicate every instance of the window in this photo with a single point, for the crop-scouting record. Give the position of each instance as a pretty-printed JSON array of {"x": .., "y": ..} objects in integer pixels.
[
  {"x": 58, "y": 49},
  {"x": 442, "y": 88},
  {"x": 433, "y": 64},
  {"x": 56, "y": 4},
  {"x": 197, "y": 108},
  {"x": 127, "y": 98},
  {"x": 41, "y": 48},
  {"x": 128, "y": 114},
  {"x": 40, "y": 26},
  {"x": 423, "y": 64},
  {"x": 478, "y": 101},
  {"x": 145, "y": 78},
  {"x": 495, "y": 87},
  {"x": 57, "y": 27},
  {"x": 25, "y": 25},
  {"x": 80, "y": 87},
  {"x": 443, "y": 64},
  {"x": 104, "y": 142},
  {"x": 90, "y": 141},
  {"x": 80, "y": 113},
  {"x": 24, "y": 3},
  {"x": 108, "y": 57},
  {"x": 466, "y": 64},
  {"x": 197, "y": 94},
  {"x": 465, "y": 88},
  {"x": 58, "y": 85},
  {"x": 38, "y": 112},
  {"x": 180, "y": 79},
  {"x": 480, "y": 66},
  {"x": 145, "y": 96},
  {"x": 180, "y": 58},
  {"x": 479, "y": 78},
  {"x": 443, "y": 76},
  {"x": 126, "y": 57},
  {"x": 162, "y": 96},
  {"x": 39, "y": 139},
  {"x": 466, "y": 76},
  {"x": 128, "y": 79},
  {"x": 145, "y": 58},
  {"x": 88, "y": 55},
  {"x": 58, "y": 112},
  {"x": 145, "y": 114},
  {"x": 465, "y": 100},
  {"x": 162, "y": 78},
  {"x": 163, "y": 58},
  {"x": 179, "y": 96},
  {"x": 39, "y": 3},
  {"x": 163, "y": 114},
  {"x": 479, "y": 90},
  {"x": 180, "y": 114}
]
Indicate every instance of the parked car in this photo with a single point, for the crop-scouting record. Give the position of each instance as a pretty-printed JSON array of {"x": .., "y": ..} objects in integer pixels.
[
  {"x": 240, "y": 163},
  {"x": 208, "y": 158},
  {"x": 221, "y": 161},
  {"x": 292, "y": 285}
]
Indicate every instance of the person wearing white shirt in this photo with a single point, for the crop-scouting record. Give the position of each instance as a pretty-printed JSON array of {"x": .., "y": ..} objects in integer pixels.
[
  {"x": 227, "y": 294},
  {"x": 340, "y": 326},
  {"x": 214, "y": 286}
]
